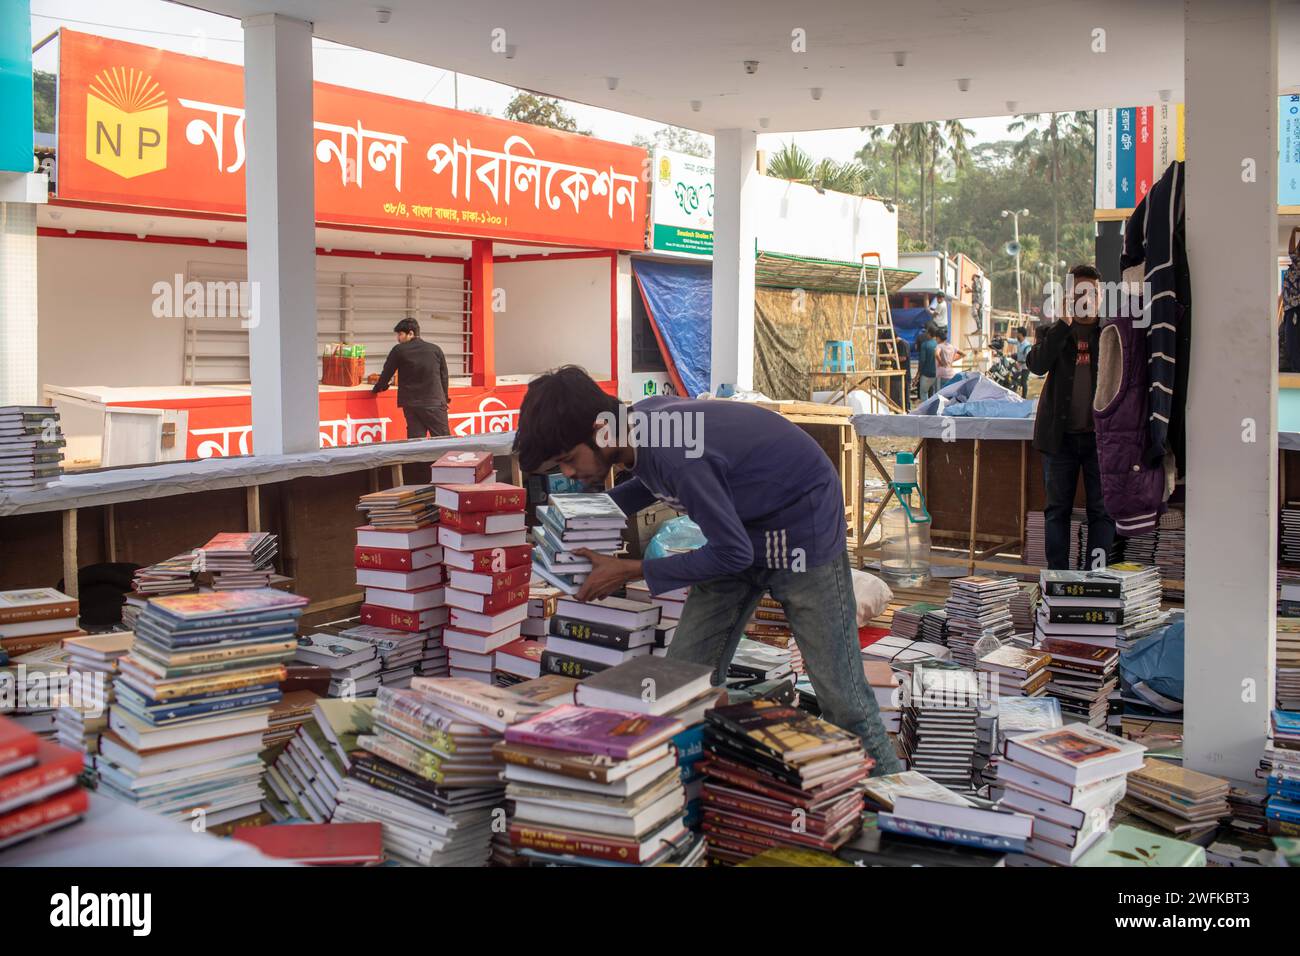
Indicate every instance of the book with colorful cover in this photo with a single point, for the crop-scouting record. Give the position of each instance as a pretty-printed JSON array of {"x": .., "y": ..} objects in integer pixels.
[
  {"x": 1075, "y": 753},
  {"x": 1129, "y": 846},
  {"x": 594, "y": 730},
  {"x": 575, "y": 512},
  {"x": 218, "y": 608},
  {"x": 786, "y": 733}
]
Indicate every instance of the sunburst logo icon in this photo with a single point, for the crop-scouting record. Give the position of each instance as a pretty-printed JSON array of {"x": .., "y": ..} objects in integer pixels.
[{"x": 126, "y": 122}]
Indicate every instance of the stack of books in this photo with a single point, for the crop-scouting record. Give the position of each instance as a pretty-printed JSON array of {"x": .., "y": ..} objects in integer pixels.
[
  {"x": 401, "y": 654},
  {"x": 934, "y": 626},
  {"x": 294, "y": 709},
  {"x": 1182, "y": 802},
  {"x": 433, "y": 782},
  {"x": 1083, "y": 678},
  {"x": 353, "y": 665},
  {"x": 768, "y": 623},
  {"x": 38, "y": 785},
  {"x": 31, "y": 446},
  {"x": 237, "y": 559},
  {"x": 755, "y": 662},
  {"x": 671, "y": 605},
  {"x": 1282, "y": 757},
  {"x": 35, "y": 618},
  {"x": 939, "y": 724},
  {"x": 593, "y": 786},
  {"x": 588, "y": 636},
  {"x": 303, "y": 778},
  {"x": 402, "y": 506},
  {"x": 1098, "y": 607},
  {"x": 1024, "y": 606},
  {"x": 34, "y": 686},
  {"x": 767, "y": 764},
  {"x": 567, "y": 523},
  {"x": 888, "y": 690},
  {"x": 935, "y": 813},
  {"x": 192, "y": 702},
  {"x": 1015, "y": 672},
  {"x": 1036, "y": 540},
  {"x": 517, "y": 662},
  {"x": 172, "y": 576},
  {"x": 976, "y": 606},
  {"x": 486, "y": 553},
  {"x": 1289, "y": 542},
  {"x": 1129, "y": 846},
  {"x": 541, "y": 608},
  {"x": 1287, "y": 675},
  {"x": 1010, "y": 717},
  {"x": 907, "y": 620},
  {"x": 92, "y": 666},
  {"x": 399, "y": 563},
  {"x": 1069, "y": 779}
]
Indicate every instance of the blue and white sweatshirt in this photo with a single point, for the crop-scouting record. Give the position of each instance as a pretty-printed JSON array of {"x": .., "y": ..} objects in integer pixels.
[{"x": 762, "y": 491}]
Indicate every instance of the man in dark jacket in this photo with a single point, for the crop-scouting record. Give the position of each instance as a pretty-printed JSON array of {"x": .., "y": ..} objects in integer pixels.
[
  {"x": 1065, "y": 352},
  {"x": 421, "y": 381}
]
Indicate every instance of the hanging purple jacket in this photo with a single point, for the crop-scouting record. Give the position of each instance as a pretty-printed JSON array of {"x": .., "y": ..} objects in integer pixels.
[{"x": 1134, "y": 491}]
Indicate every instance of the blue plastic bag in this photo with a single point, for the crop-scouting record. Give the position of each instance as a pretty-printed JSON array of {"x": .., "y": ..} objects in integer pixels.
[
  {"x": 676, "y": 536},
  {"x": 1157, "y": 661}
]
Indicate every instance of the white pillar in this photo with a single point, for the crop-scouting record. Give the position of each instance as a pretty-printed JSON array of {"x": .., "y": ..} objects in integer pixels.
[
  {"x": 1231, "y": 90},
  {"x": 734, "y": 173},
  {"x": 281, "y": 234},
  {"x": 18, "y": 384}
]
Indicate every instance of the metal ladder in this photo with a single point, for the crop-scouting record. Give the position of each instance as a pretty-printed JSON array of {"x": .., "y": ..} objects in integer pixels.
[{"x": 882, "y": 353}]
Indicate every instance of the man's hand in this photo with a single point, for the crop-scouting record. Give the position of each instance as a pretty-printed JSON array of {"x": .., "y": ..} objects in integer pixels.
[{"x": 608, "y": 574}]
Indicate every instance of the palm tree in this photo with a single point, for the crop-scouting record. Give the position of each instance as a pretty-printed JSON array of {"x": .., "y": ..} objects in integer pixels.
[
  {"x": 897, "y": 147},
  {"x": 953, "y": 141},
  {"x": 791, "y": 162},
  {"x": 1062, "y": 147},
  {"x": 797, "y": 165}
]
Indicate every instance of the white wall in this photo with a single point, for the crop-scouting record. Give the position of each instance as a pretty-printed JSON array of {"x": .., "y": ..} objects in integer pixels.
[
  {"x": 96, "y": 323},
  {"x": 556, "y": 312},
  {"x": 793, "y": 218}
]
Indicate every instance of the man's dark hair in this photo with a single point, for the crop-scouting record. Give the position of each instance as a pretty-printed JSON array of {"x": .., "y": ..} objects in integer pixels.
[
  {"x": 940, "y": 335},
  {"x": 1085, "y": 273},
  {"x": 557, "y": 414},
  {"x": 408, "y": 325}
]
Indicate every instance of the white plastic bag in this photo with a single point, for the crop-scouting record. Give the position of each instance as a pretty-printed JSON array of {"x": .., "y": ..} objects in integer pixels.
[{"x": 871, "y": 594}]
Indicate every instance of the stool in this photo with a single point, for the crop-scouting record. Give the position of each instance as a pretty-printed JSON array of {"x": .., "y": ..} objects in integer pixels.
[{"x": 838, "y": 356}]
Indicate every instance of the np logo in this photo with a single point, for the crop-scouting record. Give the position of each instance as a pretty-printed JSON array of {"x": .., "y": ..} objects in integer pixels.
[
  {"x": 649, "y": 388},
  {"x": 126, "y": 122}
]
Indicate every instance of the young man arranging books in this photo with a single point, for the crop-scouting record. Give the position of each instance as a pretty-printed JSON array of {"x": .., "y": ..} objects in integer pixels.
[{"x": 769, "y": 504}]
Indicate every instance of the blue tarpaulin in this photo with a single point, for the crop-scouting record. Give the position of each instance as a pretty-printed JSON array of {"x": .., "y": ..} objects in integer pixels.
[
  {"x": 679, "y": 299},
  {"x": 908, "y": 322}
]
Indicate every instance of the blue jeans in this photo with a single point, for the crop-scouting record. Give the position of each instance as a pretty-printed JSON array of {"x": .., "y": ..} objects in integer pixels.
[{"x": 822, "y": 611}]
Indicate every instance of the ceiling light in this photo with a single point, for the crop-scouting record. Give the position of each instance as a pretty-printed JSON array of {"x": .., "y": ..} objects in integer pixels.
[
  {"x": 816, "y": 92},
  {"x": 963, "y": 84},
  {"x": 696, "y": 105},
  {"x": 611, "y": 83},
  {"x": 1011, "y": 105},
  {"x": 764, "y": 122},
  {"x": 900, "y": 58},
  {"x": 383, "y": 14}
]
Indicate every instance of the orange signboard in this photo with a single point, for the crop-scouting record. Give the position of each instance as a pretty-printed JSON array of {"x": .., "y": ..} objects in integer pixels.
[{"x": 140, "y": 126}]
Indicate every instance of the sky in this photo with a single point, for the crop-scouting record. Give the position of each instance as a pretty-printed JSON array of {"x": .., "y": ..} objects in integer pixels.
[{"x": 198, "y": 33}]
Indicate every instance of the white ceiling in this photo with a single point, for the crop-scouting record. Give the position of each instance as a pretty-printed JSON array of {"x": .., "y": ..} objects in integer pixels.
[{"x": 1036, "y": 53}]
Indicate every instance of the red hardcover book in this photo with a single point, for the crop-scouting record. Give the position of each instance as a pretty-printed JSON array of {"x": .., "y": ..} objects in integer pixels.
[
  {"x": 493, "y": 603},
  {"x": 461, "y": 467},
  {"x": 319, "y": 843},
  {"x": 55, "y": 768},
  {"x": 481, "y": 522},
  {"x": 597, "y": 845},
  {"x": 489, "y": 582},
  {"x": 402, "y": 620},
  {"x": 488, "y": 496},
  {"x": 41, "y": 815},
  {"x": 491, "y": 559},
  {"x": 395, "y": 559},
  {"x": 17, "y": 745}
]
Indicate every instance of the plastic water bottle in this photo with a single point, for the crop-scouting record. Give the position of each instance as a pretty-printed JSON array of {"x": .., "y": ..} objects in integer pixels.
[{"x": 905, "y": 530}]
